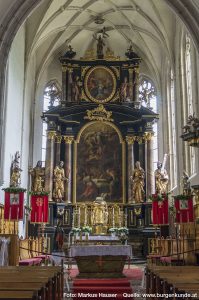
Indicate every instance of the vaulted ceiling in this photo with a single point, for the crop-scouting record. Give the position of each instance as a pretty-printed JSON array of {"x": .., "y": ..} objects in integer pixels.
[{"x": 149, "y": 25}]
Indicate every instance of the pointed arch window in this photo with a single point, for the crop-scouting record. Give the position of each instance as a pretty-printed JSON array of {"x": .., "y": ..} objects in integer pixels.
[
  {"x": 148, "y": 98},
  {"x": 52, "y": 98}
]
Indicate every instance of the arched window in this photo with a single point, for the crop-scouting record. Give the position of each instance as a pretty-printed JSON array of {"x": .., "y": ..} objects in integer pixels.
[
  {"x": 172, "y": 131},
  {"x": 147, "y": 95},
  {"x": 52, "y": 97},
  {"x": 190, "y": 151}
]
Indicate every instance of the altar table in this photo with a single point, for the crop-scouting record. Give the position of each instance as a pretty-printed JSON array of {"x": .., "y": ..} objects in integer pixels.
[{"x": 101, "y": 261}]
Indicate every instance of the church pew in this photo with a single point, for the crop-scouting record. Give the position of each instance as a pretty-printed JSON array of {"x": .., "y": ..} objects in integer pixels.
[
  {"x": 13, "y": 295},
  {"x": 51, "y": 275},
  {"x": 163, "y": 279},
  {"x": 57, "y": 273}
]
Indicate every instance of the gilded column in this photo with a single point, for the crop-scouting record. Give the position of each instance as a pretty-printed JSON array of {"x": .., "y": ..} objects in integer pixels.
[
  {"x": 148, "y": 138},
  {"x": 68, "y": 167},
  {"x": 130, "y": 161},
  {"x": 58, "y": 139},
  {"x": 49, "y": 165}
]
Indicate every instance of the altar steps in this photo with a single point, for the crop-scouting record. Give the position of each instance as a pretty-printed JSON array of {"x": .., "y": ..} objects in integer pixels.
[{"x": 101, "y": 288}]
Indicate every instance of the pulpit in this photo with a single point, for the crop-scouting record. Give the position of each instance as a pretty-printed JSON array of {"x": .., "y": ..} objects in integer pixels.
[{"x": 101, "y": 261}]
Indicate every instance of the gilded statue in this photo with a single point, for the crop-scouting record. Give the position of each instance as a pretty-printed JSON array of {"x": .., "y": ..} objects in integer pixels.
[
  {"x": 138, "y": 183},
  {"x": 15, "y": 177},
  {"x": 161, "y": 179},
  {"x": 38, "y": 177},
  {"x": 99, "y": 213},
  {"x": 59, "y": 179}
]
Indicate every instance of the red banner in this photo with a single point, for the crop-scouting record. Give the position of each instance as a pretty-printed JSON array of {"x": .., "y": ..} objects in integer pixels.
[
  {"x": 39, "y": 209},
  {"x": 160, "y": 211},
  {"x": 13, "y": 207},
  {"x": 184, "y": 210}
]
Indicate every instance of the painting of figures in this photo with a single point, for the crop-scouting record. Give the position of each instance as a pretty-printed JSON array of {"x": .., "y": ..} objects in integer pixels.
[
  {"x": 99, "y": 164},
  {"x": 100, "y": 84}
]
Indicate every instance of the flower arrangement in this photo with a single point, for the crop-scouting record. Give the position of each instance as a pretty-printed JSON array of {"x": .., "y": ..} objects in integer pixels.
[
  {"x": 113, "y": 230},
  {"x": 86, "y": 229},
  {"x": 75, "y": 230},
  {"x": 123, "y": 230},
  {"x": 43, "y": 193},
  {"x": 14, "y": 190},
  {"x": 182, "y": 197},
  {"x": 158, "y": 197}
]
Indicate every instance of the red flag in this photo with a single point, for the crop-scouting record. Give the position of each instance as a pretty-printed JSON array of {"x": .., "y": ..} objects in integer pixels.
[
  {"x": 160, "y": 211},
  {"x": 39, "y": 209},
  {"x": 13, "y": 207},
  {"x": 184, "y": 210}
]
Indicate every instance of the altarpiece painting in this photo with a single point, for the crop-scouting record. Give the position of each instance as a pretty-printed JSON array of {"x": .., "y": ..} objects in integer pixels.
[{"x": 99, "y": 164}]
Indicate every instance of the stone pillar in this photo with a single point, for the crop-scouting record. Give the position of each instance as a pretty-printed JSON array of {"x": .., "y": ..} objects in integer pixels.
[
  {"x": 58, "y": 139},
  {"x": 49, "y": 165},
  {"x": 130, "y": 164},
  {"x": 68, "y": 167},
  {"x": 148, "y": 138}
]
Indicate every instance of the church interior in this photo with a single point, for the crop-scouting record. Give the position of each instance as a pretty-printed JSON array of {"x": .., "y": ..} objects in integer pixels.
[{"x": 99, "y": 139}]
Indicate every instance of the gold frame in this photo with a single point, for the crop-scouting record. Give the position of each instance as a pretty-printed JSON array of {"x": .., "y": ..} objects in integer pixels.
[
  {"x": 122, "y": 141},
  {"x": 109, "y": 98}
]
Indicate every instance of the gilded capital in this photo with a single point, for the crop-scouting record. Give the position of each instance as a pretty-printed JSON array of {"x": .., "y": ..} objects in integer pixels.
[
  {"x": 130, "y": 139},
  {"x": 51, "y": 135},
  {"x": 64, "y": 68},
  {"x": 139, "y": 139},
  {"x": 58, "y": 139},
  {"x": 68, "y": 139},
  {"x": 148, "y": 136}
]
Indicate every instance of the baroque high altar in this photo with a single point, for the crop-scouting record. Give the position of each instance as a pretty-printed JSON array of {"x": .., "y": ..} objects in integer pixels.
[{"x": 97, "y": 133}]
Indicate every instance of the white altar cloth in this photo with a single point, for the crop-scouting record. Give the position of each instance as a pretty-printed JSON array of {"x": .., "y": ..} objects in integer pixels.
[{"x": 100, "y": 250}]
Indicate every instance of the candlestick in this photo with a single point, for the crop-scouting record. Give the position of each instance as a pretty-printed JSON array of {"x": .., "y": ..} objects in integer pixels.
[{"x": 113, "y": 220}]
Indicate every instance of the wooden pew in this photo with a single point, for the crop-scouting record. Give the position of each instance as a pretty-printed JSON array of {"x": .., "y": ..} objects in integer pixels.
[
  {"x": 45, "y": 282},
  {"x": 168, "y": 280}
]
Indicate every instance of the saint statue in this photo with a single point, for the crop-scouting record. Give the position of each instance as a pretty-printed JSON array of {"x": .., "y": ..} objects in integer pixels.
[
  {"x": 186, "y": 184},
  {"x": 100, "y": 46},
  {"x": 59, "y": 178},
  {"x": 76, "y": 89},
  {"x": 15, "y": 177},
  {"x": 161, "y": 179},
  {"x": 138, "y": 183},
  {"x": 38, "y": 178},
  {"x": 99, "y": 213}
]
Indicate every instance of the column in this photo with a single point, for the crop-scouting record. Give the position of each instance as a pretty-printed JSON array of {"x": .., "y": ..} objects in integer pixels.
[
  {"x": 136, "y": 101},
  {"x": 148, "y": 138},
  {"x": 130, "y": 163},
  {"x": 49, "y": 165},
  {"x": 131, "y": 84},
  {"x": 58, "y": 139},
  {"x": 64, "y": 85},
  {"x": 69, "y": 87},
  {"x": 68, "y": 167}
]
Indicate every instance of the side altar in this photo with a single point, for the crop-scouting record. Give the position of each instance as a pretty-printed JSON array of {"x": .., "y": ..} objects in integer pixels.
[{"x": 99, "y": 139}]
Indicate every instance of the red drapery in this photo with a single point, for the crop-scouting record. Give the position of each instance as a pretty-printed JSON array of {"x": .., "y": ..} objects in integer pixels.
[
  {"x": 13, "y": 208},
  {"x": 39, "y": 209},
  {"x": 160, "y": 211},
  {"x": 184, "y": 210}
]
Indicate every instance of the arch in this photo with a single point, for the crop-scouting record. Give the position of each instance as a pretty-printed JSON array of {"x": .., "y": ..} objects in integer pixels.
[{"x": 99, "y": 122}]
